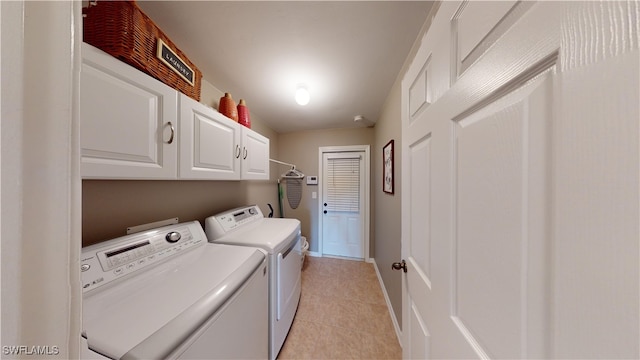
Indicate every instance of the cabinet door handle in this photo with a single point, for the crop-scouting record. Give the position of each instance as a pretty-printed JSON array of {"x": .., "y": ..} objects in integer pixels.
[
  {"x": 237, "y": 151},
  {"x": 173, "y": 133},
  {"x": 245, "y": 152}
]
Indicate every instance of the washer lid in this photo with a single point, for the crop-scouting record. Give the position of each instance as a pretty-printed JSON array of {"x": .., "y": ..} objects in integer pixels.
[
  {"x": 149, "y": 314},
  {"x": 269, "y": 234}
]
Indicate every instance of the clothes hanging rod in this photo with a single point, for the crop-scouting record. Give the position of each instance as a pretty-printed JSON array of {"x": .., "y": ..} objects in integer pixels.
[{"x": 283, "y": 163}]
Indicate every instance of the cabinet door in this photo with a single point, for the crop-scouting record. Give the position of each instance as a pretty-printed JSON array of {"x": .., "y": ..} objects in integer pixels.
[
  {"x": 209, "y": 143},
  {"x": 128, "y": 121},
  {"x": 255, "y": 155}
]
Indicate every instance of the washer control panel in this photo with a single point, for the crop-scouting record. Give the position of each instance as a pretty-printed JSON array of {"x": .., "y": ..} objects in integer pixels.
[{"x": 110, "y": 260}]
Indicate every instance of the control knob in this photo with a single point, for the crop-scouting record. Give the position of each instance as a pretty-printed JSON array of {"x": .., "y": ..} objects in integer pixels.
[{"x": 173, "y": 236}]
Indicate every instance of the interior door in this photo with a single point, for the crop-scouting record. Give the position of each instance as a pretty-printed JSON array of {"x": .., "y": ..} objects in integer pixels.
[
  {"x": 343, "y": 199},
  {"x": 520, "y": 172}
]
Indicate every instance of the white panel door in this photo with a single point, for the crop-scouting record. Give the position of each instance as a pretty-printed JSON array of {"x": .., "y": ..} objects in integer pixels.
[
  {"x": 521, "y": 204},
  {"x": 209, "y": 143},
  {"x": 343, "y": 200},
  {"x": 128, "y": 121},
  {"x": 501, "y": 168}
]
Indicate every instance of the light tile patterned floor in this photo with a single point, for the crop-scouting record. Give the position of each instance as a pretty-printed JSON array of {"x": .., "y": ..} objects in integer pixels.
[{"x": 342, "y": 314}]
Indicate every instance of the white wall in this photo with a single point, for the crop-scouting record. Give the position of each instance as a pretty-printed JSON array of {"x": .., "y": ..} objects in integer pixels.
[{"x": 40, "y": 180}]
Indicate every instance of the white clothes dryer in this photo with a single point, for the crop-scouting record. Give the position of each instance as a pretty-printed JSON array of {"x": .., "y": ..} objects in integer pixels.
[
  {"x": 167, "y": 293},
  {"x": 280, "y": 238}
]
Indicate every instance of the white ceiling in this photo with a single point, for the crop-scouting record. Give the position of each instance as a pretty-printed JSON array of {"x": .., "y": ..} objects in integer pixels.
[{"x": 347, "y": 53}]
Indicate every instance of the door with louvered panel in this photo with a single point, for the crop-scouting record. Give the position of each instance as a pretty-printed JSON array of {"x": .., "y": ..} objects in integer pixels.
[{"x": 343, "y": 204}]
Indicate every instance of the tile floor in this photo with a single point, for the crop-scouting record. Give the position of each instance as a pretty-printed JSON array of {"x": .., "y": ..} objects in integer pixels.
[{"x": 342, "y": 314}]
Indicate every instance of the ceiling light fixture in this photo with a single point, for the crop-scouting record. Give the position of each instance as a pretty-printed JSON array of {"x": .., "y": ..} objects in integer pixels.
[{"x": 302, "y": 96}]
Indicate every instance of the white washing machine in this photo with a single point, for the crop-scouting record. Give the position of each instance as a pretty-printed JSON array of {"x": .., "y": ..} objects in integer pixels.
[
  {"x": 167, "y": 293},
  {"x": 280, "y": 238}
]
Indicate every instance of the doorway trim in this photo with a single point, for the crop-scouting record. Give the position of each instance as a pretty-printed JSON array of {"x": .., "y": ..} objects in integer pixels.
[{"x": 367, "y": 191}]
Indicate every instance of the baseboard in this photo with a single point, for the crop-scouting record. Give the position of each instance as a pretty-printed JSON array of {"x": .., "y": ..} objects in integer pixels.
[
  {"x": 386, "y": 299},
  {"x": 314, "y": 254}
]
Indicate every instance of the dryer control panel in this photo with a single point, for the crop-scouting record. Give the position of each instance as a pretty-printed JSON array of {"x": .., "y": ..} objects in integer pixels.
[
  {"x": 233, "y": 219},
  {"x": 110, "y": 260}
]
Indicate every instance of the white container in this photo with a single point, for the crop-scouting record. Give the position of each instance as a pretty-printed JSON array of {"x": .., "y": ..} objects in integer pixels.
[{"x": 305, "y": 247}]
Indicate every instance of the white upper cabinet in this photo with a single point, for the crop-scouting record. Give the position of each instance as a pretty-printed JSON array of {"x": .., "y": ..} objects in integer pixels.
[
  {"x": 128, "y": 121},
  {"x": 209, "y": 143},
  {"x": 215, "y": 147},
  {"x": 255, "y": 155},
  {"x": 131, "y": 128}
]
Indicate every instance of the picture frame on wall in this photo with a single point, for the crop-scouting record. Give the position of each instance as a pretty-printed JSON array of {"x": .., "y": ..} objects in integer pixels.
[{"x": 387, "y": 168}]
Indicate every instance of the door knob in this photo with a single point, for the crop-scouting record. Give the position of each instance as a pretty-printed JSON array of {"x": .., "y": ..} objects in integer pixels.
[
  {"x": 399, "y": 265},
  {"x": 325, "y": 204},
  {"x": 325, "y": 211}
]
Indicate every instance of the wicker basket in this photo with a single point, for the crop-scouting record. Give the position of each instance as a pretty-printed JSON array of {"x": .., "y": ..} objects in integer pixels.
[{"x": 122, "y": 30}]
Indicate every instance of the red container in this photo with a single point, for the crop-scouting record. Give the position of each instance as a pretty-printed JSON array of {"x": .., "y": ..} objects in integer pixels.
[
  {"x": 227, "y": 107},
  {"x": 243, "y": 114}
]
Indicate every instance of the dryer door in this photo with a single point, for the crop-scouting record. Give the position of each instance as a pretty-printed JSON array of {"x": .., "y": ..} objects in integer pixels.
[{"x": 288, "y": 277}]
